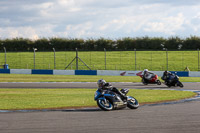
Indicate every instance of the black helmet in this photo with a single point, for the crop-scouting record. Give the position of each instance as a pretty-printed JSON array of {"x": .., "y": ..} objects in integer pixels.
[{"x": 165, "y": 72}]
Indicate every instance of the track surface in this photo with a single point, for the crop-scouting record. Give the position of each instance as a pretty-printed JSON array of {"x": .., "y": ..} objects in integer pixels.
[
  {"x": 191, "y": 86},
  {"x": 172, "y": 118}
]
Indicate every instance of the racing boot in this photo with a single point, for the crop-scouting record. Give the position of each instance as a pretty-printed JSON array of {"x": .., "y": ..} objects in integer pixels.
[{"x": 123, "y": 96}]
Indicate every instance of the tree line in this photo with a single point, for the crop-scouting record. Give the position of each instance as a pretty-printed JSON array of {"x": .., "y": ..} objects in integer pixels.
[{"x": 127, "y": 43}]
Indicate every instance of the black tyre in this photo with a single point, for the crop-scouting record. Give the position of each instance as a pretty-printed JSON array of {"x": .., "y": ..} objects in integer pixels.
[
  {"x": 180, "y": 84},
  {"x": 169, "y": 86},
  {"x": 143, "y": 81},
  {"x": 132, "y": 103},
  {"x": 105, "y": 105},
  {"x": 158, "y": 82}
]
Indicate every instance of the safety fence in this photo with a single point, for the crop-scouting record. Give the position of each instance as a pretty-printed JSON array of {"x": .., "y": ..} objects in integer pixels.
[{"x": 102, "y": 60}]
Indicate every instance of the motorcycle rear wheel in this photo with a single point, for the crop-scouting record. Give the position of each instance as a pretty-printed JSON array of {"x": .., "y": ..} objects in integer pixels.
[{"x": 105, "y": 105}]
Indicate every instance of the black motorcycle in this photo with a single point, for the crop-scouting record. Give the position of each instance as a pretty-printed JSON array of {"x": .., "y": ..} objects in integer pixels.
[
  {"x": 172, "y": 81},
  {"x": 108, "y": 100}
]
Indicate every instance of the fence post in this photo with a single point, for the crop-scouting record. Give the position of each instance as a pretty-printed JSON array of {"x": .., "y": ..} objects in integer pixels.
[
  {"x": 54, "y": 58},
  {"x": 76, "y": 59},
  {"x": 151, "y": 60},
  {"x": 105, "y": 57},
  {"x": 167, "y": 58},
  {"x": 135, "y": 60},
  {"x": 5, "y": 54},
  {"x": 90, "y": 58},
  {"x": 34, "y": 49},
  {"x": 198, "y": 61},
  {"x": 183, "y": 59}
]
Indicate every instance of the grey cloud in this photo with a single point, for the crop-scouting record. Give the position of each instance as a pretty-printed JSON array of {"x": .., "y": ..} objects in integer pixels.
[
  {"x": 93, "y": 14},
  {"x": 196, "y": 21},
  {"x": 104, "y": 3},
  {"x": 170, "y": 2},
  {"x": 22, "y": 2}
]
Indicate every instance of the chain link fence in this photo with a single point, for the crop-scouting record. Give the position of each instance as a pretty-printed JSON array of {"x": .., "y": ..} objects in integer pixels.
[{"x": 103, "y": 60}]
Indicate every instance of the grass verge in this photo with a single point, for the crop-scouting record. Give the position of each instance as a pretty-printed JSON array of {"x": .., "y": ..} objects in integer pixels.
[
  {"x": 13, "y": 99},
  {"x": 76, "y": 78}
]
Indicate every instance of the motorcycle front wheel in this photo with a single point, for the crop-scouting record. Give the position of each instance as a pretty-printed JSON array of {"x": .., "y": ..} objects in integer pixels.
[
  {"x": 167, "y": 84},
  {"x": 132, "y": 103},
  {"x": 158, "y": 82},
  {"x": 105, "y": 104},
  {"x": 180, "y": 84},
  {"x": 144, "y": 82}
]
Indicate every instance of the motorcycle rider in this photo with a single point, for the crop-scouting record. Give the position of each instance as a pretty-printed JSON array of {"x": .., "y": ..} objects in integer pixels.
[
  {"x": 168, "y": 77},
  {"x": 103, "y": 85},
  {"x": 147, "y": 74}
]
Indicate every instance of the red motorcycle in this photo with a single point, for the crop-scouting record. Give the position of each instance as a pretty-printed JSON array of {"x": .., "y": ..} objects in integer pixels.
[{"x": 154, "y": 79}]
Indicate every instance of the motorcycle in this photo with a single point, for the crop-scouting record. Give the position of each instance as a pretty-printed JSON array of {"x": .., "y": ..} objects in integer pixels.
[
  {"x": 108, "y": 100},
  {"x": 154, "y": 80},
  {"x": 173, "y": 82}
]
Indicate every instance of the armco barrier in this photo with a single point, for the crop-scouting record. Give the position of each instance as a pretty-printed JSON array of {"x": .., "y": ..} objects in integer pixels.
[
  {"x": 134, "y": 73},
  {"x": 194, "y": 74},
  {"x": 181, "y": 73},
  {"x": 42, "y": 71},
  {"x": 5, "y": 71},
  {"x": 63, "y": 72},
  {"x": 20, "y": 71},
  {"x": 85, "y": 72},
  {"x": 117, "y": 73},
  {"x": 92, "y": 72}
]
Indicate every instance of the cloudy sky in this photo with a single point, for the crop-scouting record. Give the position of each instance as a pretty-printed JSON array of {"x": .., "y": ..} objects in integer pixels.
[{"x": 99, "y": 18}]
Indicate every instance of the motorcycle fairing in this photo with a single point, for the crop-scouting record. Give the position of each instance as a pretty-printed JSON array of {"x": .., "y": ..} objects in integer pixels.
[{"x": 112, "y": 97}]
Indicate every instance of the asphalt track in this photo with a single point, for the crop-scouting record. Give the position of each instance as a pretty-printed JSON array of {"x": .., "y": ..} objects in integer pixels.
[{"x": 181, "y": 117}]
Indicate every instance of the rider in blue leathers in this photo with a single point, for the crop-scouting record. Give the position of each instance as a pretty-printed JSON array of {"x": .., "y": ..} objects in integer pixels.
[
  {"x": 168, "y": 77},
  {"x": 103, "y": 85}
]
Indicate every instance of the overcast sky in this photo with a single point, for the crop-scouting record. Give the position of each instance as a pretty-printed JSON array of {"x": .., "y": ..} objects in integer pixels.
[{"x": 86, "y": 19}]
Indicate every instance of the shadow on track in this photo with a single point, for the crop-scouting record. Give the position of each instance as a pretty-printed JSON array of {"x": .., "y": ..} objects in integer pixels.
[
  {"x": 82, "y": 110},
  {"x": 54, "y": 110}
]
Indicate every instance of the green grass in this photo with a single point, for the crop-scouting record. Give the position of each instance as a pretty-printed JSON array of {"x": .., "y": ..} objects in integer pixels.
[
  {"x": 63, "y": 98},
  {"x": 115, "y": 60},
  {"x": 58, "y": 98},
  {"x": 76, "y": 78}
]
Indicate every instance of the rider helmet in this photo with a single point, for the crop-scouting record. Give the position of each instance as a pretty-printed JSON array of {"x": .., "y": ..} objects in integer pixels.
[
  {"x": 145, "y": 71},
  {"x": 165, "y": 73},
  {"x": 101, "y": 83}
]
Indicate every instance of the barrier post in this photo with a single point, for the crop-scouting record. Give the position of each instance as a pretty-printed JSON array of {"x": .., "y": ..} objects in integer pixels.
[
  {"x": 54, "y": 58},
  {"x": 135, "y": 59},
  {"x": 5, "y": 54},
  {"x": 76, "y": 59},
  {"x": 198, "y": 61},
  {"x": 105, "y": 57},
  {"x": 34, "y": 49},
  {"x": 167, "y": 58}
]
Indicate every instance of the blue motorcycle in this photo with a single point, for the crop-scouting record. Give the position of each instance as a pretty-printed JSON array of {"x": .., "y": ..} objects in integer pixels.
[
  {"x": 108, "y": 100},
  {"x": 172, "y": 80}
]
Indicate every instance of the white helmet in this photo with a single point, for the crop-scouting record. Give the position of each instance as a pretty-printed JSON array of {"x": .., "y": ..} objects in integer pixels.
[
  {"x": 144, "y": 71},
  {"x": 101, "y": 83}
]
